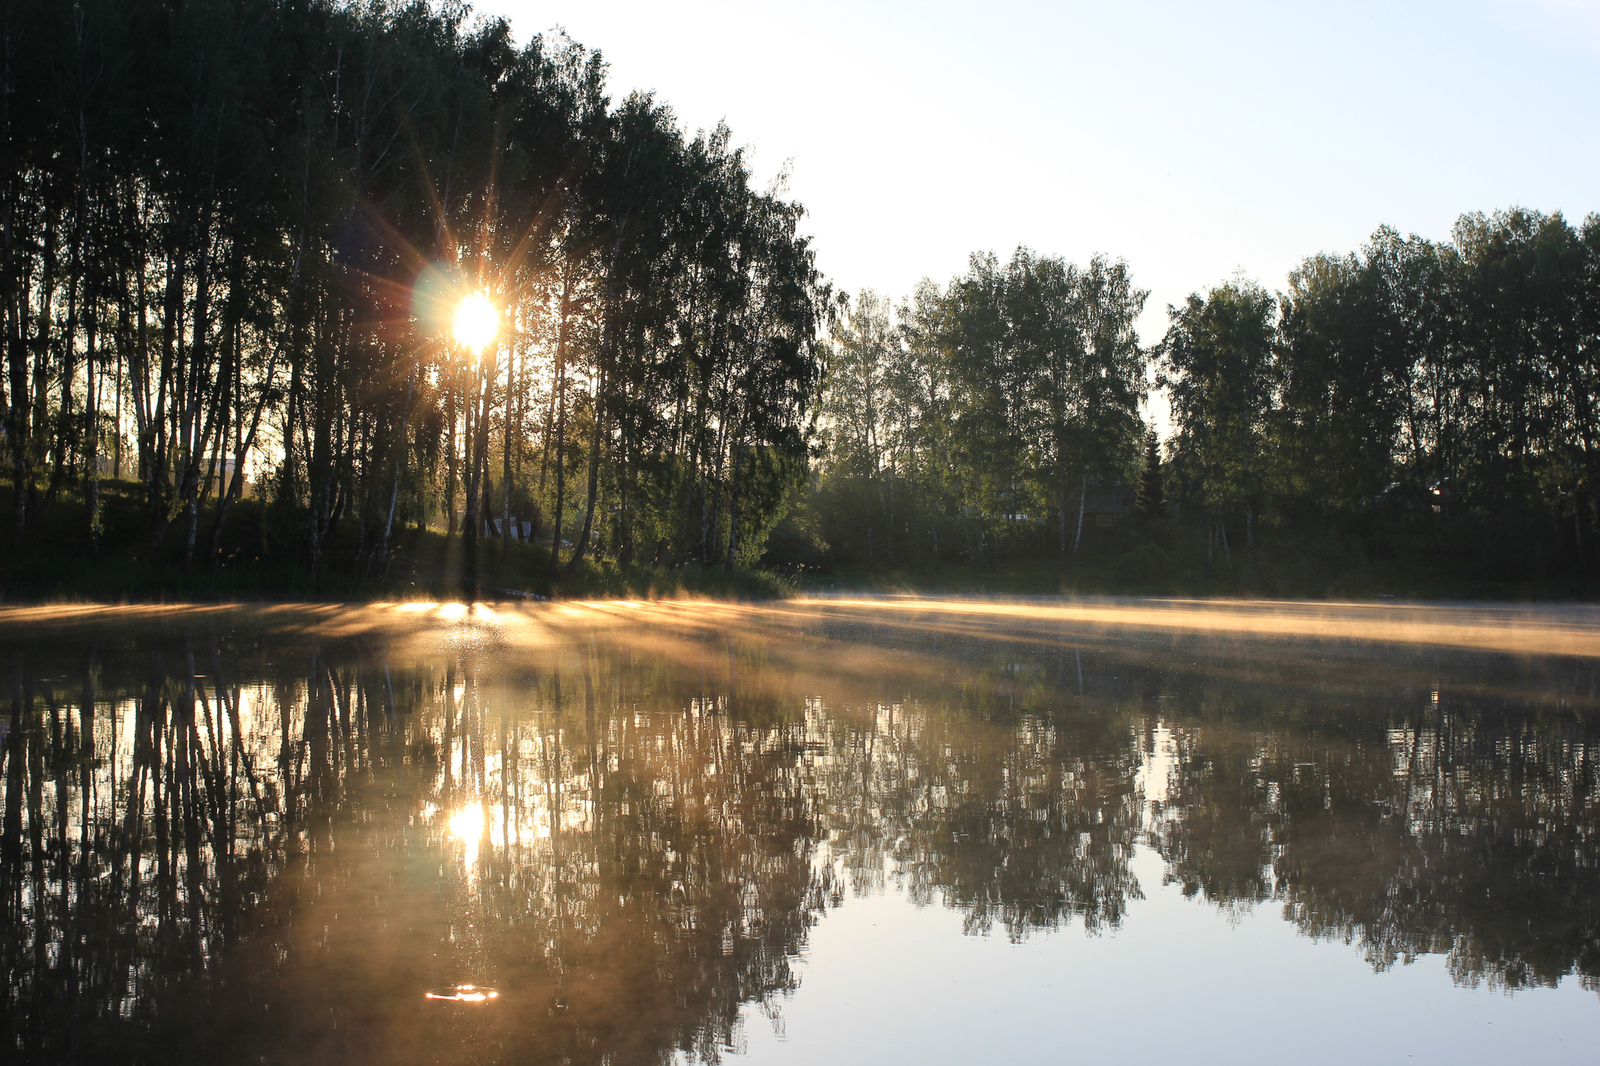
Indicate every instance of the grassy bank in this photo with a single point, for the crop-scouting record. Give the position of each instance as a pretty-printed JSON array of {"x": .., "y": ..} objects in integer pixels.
[
  {"x": 1138, "y": 566},
  {"x": 260, "y": 557}
]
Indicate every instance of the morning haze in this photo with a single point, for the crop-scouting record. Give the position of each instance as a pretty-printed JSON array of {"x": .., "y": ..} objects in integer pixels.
[{"x": 760, "y": 533}]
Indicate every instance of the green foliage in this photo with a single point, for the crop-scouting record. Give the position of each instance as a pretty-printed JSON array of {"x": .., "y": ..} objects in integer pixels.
[
  {"x": 1151, "y": 501},
  {"x": 1417, "y": 418},
  {"x": 972, "y": 423},
  {"x": 1146, "y": 569},
  {"x": 1216, "y": 363},
  {"x": 1415, "y": 401},
  {"x": 255, "y": 565},
  {"x": 238, "y": 230}
]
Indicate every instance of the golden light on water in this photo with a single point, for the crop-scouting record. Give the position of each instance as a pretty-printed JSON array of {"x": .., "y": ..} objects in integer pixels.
[
  {"x": 476, "y": 323},
  {"x": 543, "y": 627},
  {"x": 465, "y": 994},
  {"x": 467, "y": 823}
]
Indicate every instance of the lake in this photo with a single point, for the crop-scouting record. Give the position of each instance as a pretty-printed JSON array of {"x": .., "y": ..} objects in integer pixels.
[{"x": 843, "y": 831}]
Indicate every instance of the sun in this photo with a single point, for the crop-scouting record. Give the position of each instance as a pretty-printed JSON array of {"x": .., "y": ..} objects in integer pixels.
[{"x": 477, "y": 321}]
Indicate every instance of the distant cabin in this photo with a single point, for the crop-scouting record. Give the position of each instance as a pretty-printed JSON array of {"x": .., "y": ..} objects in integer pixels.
[{"x": 1106, "y": 503}]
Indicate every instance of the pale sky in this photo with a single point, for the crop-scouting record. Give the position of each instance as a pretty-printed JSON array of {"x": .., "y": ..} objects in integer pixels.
[{"x": 1192, "y": 139}]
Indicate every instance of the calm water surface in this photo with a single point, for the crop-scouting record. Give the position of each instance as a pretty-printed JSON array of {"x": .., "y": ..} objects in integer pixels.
[{"x": 822, "y": 832}]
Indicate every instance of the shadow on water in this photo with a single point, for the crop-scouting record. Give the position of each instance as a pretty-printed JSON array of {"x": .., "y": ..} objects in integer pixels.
[{"x": 269, "y": 834}]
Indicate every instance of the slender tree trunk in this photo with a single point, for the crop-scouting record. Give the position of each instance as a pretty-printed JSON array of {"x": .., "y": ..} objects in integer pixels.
[
  {"x": 18, "y": 431},
  {"x": 475, "y": 483},
  {"x": 546, "y": 432},
  {"x": 41, "y": 373},
  {"x": 625, "y": 532},
  {"x": 888, "y": 538},
  {"x": 13, "y": 285},
  {"x": 244, "y": 442},
  {"x": 291, "y": 425},
  {"x": 558, "y": 403},
  {"x": 1061, "y": 506},
  {"x": 159, "y": 489},
  {"x": 92, "y": 441},
  {"x": 1083, "y": 498},
  {"x": 522, "y": 429},
  {"x": 139, "y": 378},
  {"x": 733, "y": 508},
  {"x": 469, "y": 439},
  {"x": 400, "y": 451},
  {"x": 505, "y": 460},
  {"x": 582, "y": 546},
  {"x": 194, "y": 418},
  {"x": 561, "y": 474},
  {"x": 209, "y": 396},
  {"x": 451, "y": 479},
  {"x": 116, "y": 439},
  {"x": 326, "y": 435}
]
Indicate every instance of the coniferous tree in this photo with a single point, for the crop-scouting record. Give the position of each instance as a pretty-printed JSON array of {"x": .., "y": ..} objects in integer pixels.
[{"x": 1151, "y": 500}]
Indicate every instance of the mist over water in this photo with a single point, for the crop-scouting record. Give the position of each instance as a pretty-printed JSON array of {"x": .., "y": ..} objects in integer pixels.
[{"x": 913, "y": 830}]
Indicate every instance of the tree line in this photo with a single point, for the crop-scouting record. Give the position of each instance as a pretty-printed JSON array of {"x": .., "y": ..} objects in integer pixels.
[
  {"x": 235, "y": 233},
  {"x": 981, "y": 410},
  {"x": 1413, "y": 398}
]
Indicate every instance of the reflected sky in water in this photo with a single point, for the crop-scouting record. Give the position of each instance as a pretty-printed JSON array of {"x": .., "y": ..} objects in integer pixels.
[{"x": 852, "y": 831}]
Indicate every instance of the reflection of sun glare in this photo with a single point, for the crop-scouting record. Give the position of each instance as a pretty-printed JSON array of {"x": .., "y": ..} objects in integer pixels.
[
  {"x": 477, "y": 321},
  {"x": 467, "y": 823},
  {"x": 465, "y": 994}
]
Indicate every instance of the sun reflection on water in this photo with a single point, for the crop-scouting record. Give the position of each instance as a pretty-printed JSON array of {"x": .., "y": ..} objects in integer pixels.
[
  {"x": 464, "y": 993},
  {"x": 466, "y": 824}
]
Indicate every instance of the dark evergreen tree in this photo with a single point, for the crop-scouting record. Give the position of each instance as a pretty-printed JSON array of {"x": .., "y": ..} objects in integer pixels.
[{"x": 1151, "y": 500}]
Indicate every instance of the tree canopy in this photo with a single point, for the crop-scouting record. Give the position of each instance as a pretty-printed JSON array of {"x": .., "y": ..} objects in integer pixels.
[
  {"x": 236, "y": 231},
  {"x": 1417, "y": 403},
  {"x": 234, "y": 235}
]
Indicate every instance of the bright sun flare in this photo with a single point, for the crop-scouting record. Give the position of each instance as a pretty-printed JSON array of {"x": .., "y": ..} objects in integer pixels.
[
  {"x": 467, "y": 823},
  {"x": 477, "y": 321}
]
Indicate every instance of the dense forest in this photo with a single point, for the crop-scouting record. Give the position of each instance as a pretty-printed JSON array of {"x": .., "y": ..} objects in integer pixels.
[
  {"x": 1415, "y": 401},
  {"x": 237, "y": 235}
]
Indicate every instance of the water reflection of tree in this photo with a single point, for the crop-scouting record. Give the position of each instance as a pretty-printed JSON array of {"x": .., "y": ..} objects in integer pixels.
[
  {"x": 233, "y": 859},
  {"x": 1025, "y": 822},
  {"x": 123, "y": 864},
  {"x": 1407, "y": 823},
  {"x": 270, "y": 866},
  {"x": 1333, "y": 778}
]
